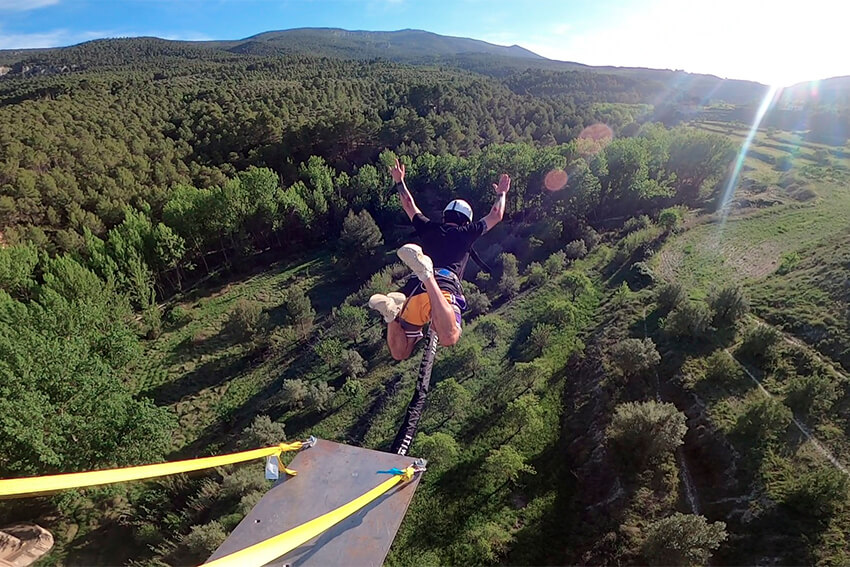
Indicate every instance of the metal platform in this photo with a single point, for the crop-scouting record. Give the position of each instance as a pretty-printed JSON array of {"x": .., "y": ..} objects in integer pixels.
[{"x": 329, "y": 475}]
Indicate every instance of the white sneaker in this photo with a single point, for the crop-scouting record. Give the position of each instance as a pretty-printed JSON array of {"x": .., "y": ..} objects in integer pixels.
[
  {"x": 389, "y": 306},
  {"x": 416, "y": 260}
]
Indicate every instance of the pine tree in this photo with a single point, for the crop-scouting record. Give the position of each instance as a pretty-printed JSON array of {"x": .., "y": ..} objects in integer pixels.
[{"x": 359, "y": 240}]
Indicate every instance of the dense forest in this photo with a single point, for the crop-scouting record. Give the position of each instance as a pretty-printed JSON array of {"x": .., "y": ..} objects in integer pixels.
[{"x": 139, "y": 176}]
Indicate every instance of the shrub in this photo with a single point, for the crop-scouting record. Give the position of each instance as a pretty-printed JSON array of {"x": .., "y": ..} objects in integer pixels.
[
  {"x": 816, "y": 493},
  {"x": 353, "y": 390},
  {"x": 450, "y": 400},
  {"x": 294, "y": 393},
  {"x": 576, "y": 283},
  {"x": 813, "y": 395},
  {"x": 637, "y": 244},
  {"x": 320, "y": 396},
  {"x": 788, "y": 263},
  {"x": 482, "y": 544},
  {"x": 379, "y": 282},
  {"x": 483, "y": 279},
  {"x": 641, "y": 274},
  {"x": 622, "y": 295},
  {"x": 352, "y": 364},
  {"x": 575, "y": 250},
  {"x": 542, "y": 335},
  {"x": 556, "y": 262},
  {"x": 329, "y": 350},
  {"x": 764, "y": 418},
  {"x": 152, "y": 320},
  {"x": 248, "y": 501},
  {"x": 682, "y": 539},
  {"x": 783, "y": 163},
  {"x": 349, "y": 322},
  {"x": 493, "y": 328},
  {"x": 637, "y": 223},
  {"x": 689, "y": 320},
  {"x": 509, "y": 282},
  {"x": 243, "y": 480},
  {"x": 529, "y": 375},
  {"x": 759, "y": 342},
  {"x": 263, "y": 432},
  {"x": 503, "y": 466},
  {"x": 645, "y": 432},
  {"x": 477, "y": 302},
  {"x": 536, "y": 274},
  {"x": 787, "y": 179},
  {"x": 178, "y": 316},
  {"x": 246, "y": 320},
  {"x": 670, "y": 219},
  {"x": 440, "y": 450},
  {"x": 590, "y": 237},
  {"x": 722, "y": 368},
  {"x": 634, "y": 356},
  {"x": 729, "y": 304},
  {"x": 299, "y": 310},
  {"x": 202, "y": 540},
  {"x": 148, "y": 534},
  {"x": 200, "y": 503},
  {"x": 669, "y": 296},
  {"x": 803, "y": 194}
]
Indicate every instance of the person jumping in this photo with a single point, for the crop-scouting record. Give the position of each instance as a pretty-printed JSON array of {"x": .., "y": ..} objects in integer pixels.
[{"x": 436, "y": 296}]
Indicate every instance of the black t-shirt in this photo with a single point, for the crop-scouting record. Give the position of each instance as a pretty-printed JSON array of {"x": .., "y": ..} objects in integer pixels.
[{"x": 447, "y": 244}]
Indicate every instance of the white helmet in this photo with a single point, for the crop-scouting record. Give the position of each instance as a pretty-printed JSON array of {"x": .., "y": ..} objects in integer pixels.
[{"x": 460, "y": 206}]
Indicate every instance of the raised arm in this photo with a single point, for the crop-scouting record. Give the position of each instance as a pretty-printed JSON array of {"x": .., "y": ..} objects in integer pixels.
[
  {"x": 407, "y": 202},
  {"x": 497, "y": 212}
]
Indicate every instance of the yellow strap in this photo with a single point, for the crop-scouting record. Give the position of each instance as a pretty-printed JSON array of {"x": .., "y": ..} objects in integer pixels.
[
  {"x": 36, "y": 485},
  {"x": 272, "y": 548}
]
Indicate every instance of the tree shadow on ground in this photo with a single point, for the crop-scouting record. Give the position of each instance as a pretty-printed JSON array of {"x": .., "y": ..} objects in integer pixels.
[
  {"x": 110, "y": 544},
  {"x": 206, "y": 375},
  {"x": 358, "y": 430},
  {"x": 203, "y": 342}
]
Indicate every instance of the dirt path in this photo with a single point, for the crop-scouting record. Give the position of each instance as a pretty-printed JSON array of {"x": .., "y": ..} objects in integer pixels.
[
  {"x": 791, "y": 339},
  {"x": 802, "y": 427}
]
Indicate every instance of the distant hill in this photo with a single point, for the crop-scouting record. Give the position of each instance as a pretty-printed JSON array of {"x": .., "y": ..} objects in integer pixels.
[
  {"x": 394, "y": 45},
  {"x": 835, "y": 90},
  {"x": 659, "y": 87}
]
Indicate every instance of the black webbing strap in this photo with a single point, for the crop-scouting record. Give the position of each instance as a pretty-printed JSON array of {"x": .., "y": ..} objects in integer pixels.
[{"x": 405, "y": 434}]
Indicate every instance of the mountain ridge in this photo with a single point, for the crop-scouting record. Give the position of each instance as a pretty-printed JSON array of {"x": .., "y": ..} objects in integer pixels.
[{"x": 407, "y": 46}]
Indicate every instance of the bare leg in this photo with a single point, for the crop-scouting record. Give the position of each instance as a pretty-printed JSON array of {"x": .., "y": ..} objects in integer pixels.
[
  {"x": 400, "y": 344},
  {"x": 442, "y": 314}
]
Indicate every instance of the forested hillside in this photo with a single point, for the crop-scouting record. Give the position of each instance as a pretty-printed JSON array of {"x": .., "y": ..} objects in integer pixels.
[{"x": 190, "y": 234}]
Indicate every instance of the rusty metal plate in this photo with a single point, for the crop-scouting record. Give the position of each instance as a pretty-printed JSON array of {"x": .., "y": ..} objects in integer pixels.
[{"x": 329, "y": 475}]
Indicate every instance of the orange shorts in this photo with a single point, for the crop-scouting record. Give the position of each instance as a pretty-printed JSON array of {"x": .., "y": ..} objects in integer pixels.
[{"x": 416, "y": 312}]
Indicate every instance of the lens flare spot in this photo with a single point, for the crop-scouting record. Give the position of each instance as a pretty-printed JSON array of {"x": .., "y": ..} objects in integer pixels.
[
  {"x": 555, "y": 180},
  {"x": 594, "y": 138},
  {"x": 598, "y": 131}
]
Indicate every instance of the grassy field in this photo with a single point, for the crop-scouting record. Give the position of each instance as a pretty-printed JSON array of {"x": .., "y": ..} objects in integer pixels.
[
  {"x": 781, "y": 238},
  {"x": 202, "y": 372},
  {"x": 785, "y": 239}
]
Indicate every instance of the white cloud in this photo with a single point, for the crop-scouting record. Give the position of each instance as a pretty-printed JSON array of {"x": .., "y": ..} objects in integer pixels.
[
  {"x": 34, "y": 40},
  {"x": 64, "y": 37},
  {"x": 24, "y": 5}
]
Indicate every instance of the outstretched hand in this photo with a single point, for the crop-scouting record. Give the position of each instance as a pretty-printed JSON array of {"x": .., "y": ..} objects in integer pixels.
[
  {"x": 504, "y": 184},
  {"x": 397, "y": 171}
]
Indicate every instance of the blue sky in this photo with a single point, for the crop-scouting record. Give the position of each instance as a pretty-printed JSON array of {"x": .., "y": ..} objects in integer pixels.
[{"x": 775, "y": 41}]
